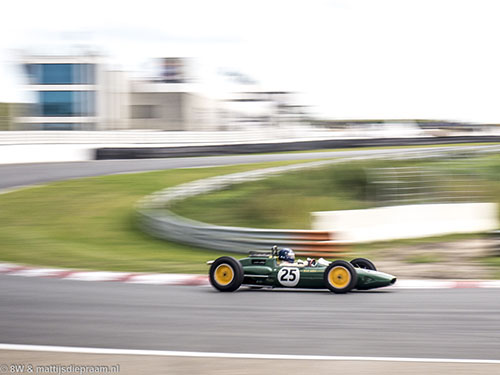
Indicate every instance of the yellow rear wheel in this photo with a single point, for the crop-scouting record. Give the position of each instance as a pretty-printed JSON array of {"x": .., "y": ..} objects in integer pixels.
[{"x": 224, "y": 274}]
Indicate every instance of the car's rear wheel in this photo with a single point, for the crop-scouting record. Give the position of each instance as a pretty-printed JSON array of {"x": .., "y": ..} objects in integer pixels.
[
  {"x": 226, "y": 274},
  {"x": 363, "y": 263},
  {"x": 340, "y": 276}
]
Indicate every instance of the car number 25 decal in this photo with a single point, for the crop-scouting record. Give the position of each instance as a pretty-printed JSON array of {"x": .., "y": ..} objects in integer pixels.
[{"x": 288, "y": 276}]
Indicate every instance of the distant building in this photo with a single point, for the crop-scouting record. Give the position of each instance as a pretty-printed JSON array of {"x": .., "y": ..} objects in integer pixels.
[
  {"x": 262, "y": 108},
  {"x": 173, "y": 70},
  {"x": 81, "y": 93},
  {"x": 73, "y": 93},
  {"x": 170, "y": 106}
]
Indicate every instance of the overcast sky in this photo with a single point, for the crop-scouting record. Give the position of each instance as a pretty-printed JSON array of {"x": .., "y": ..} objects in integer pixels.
[{"x": 435, "y": 59}]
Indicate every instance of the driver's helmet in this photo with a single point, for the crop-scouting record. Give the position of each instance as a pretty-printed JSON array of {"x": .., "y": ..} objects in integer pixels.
[{"x": 286, "y": 255}]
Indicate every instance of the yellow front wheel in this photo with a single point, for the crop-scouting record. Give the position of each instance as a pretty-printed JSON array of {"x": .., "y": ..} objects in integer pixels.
[
  {"x": 226, "y": 274},
  {"x": 340, "y": 277}
]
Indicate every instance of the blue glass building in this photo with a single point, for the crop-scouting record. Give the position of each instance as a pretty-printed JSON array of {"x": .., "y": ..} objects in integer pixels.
[
  {"x": 65, "y": 94},
  {"x": 83, "y": 92}
]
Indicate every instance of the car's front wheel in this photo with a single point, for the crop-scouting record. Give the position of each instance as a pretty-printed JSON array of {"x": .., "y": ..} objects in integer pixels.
[
  {"x": 340, "y": 277},
  {"x": 226, "y": 274}
]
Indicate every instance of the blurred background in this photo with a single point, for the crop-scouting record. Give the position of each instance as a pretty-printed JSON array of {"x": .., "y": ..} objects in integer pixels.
[{"x": 239, "y": 65}]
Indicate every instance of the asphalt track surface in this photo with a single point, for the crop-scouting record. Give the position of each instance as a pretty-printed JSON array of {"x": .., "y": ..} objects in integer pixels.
[
  {"x": 14, "y": 175},
  {"x": 441, "y": 323},
  {"x": 445, "y": 323}
]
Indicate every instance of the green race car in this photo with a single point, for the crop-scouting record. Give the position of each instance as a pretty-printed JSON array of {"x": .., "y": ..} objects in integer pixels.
[{"x": 278, "y": 269}]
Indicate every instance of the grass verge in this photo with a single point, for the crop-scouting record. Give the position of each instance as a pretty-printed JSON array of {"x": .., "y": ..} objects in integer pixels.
[
  {"x": 90, "y": 224},
  {"x": 286, "y": 201}
]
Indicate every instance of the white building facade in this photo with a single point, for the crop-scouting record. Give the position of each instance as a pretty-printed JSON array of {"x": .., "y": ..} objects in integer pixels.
[{"x": 82, "y": 93}]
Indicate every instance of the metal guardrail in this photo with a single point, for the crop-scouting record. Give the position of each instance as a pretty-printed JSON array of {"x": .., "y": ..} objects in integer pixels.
[
  {"x": 156, "y": 219},
  {"x": 171, "y": 227}
]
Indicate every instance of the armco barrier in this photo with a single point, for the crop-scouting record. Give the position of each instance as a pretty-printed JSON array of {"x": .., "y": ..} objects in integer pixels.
[
  {"x": 171, "y": 227},
  {"x": 156, "y": 219}
]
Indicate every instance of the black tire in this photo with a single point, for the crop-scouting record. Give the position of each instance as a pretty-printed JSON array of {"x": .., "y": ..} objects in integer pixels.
[
  {"x": 363, "y": 263},
  {"x": 226, "y": 274},
  {"x": 340, "y": 277}
]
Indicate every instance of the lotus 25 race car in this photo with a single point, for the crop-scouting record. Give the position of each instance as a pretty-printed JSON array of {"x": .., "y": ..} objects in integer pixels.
[{"x": 278, "y": 269}]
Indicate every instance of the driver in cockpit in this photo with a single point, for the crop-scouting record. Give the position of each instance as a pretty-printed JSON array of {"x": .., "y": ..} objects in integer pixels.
[{"x": 286, "y": 257}]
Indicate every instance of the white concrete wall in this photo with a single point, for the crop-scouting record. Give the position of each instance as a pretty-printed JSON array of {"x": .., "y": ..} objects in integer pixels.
[
  {"x": 200, "y": 113},
  {"x": 167, "y": 138},
  {"x": 19, "y": 154},
  {"x": 58, "y": 146},
  {"x": 411, "y": 221}
]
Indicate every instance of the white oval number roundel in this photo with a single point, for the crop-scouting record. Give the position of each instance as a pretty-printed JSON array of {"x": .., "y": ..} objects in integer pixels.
[{"x": 288, "y": 276}]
